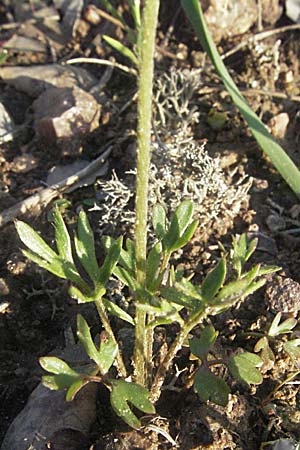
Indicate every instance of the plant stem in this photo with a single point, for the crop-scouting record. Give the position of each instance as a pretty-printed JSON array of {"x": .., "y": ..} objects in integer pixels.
[
  {"x": 145, "y": 82},
  {"x": 105, "y": 321},
  {"x": 175, "y": 347}
]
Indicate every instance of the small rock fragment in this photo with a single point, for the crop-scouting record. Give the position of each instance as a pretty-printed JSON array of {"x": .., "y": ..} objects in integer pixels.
[
  {"x": 283, "y": 295},
  {"x": 230, "y": 18},
  {"x": 6, "y": 125},
  {"x": 271, "y": 11},
  {"x": 24, "y": 163},
  {"x": 275, "y": 222},
  {"x": 65, "y": 114},
  {"x": 36, "y": 79},
  {"x": 47, "y": 414},
  {"x": 278, "y": 125}
]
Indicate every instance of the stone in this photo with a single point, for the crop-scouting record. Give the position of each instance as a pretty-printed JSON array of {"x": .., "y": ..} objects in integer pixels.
[{"x": 62, "y": 114}]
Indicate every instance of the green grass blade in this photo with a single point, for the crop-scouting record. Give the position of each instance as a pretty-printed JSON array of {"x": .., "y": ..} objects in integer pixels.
[
  {"x": 125, "y": 51},
  {"x": 271, "y": 148},
  {"x": 112, "y": 10}
]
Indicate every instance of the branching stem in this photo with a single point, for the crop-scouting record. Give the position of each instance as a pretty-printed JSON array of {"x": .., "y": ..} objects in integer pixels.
[
  {"x": 105, "y": 321},
  {"x": 146, "y": 68}
]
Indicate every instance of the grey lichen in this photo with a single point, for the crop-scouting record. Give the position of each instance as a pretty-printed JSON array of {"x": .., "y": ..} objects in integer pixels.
[{"x": 181, "y": 168}]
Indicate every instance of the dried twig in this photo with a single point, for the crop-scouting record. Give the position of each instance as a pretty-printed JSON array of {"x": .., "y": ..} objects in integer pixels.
[
  {"x": 260, "y": 37},
  {"x": 103, "y": 62},
  {"x": 211, "y": 87},
  {"x": 43, "y": 197}
]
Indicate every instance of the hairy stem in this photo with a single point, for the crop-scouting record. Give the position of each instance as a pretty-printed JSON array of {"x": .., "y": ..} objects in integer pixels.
[
  {"x": 146, "y": 68},
  {"x": 175, "y": 347},
  {"x": 105, "y": 321}
]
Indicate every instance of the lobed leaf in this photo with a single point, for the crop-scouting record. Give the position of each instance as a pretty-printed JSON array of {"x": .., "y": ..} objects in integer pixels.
[
  {"x": 284, "y": 327},
  {"x": 292, "y": 348},
  {"x": 210, "y": 387},
  {"x": 201, "y": 346},
  {"x": 124, "y": 393},
  {"x": 85, "y": 338},
  {"x": 243, "y": 366}
]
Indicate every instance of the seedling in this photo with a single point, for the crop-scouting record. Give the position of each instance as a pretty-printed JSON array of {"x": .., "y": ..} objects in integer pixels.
[
  {"x": 274, "y": 333},
  {"x": 161, "y": 292}
]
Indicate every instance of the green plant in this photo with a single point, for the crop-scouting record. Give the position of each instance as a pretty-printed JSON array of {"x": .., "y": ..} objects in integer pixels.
[
  {"x": 161, "y": 292},
  {"x": 133, "y": 35},
  {"x": 285, "y": 166},
  {"x": 167, "y": 296},
  {"x": 274, "y": 334}
]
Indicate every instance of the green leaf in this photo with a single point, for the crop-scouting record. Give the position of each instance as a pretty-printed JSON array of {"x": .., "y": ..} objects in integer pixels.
[
  {"x": 162, "y": 310},
  {"x": 237, "y": 289},
  {"x": 179, "y": 223},
  {"x": 73, "y": 275},
  {"x": 265, "y": 270},
  {"x": 85, "y": 338},
  {"x": 75, "y": 293},
  {"x": 284, "y": 327},
  {"x": 213, "y": 281},
  {"x": 124, "y": 276},
  {"x": 107, "y": 352},
  {"x": 75, "y": 388},
  {"x": 113, "y": 11},
  {"x": 210, "y": 387},
  {"x": 105, "y": 356},
  {"x": 85, "y": 247},
  {"x": 201, "y": 346},
  {"x": 57, "y": 366},
  {"x": 63, "y": 241},
  {"x": 110, "y": 262},
  {"x": 127, "y": 257},
  {"x": 55, "y": 267},
  {"x": 64, "y": 376},
  {"x": 152, "y": 266},
  {"x": 251, "y": 248},
  {"x": 188, "y": 288},
  {"x": 272, "y": 149},
  {"x": 124, "y": 393},
  {"x": 292, "y": 348},
  {"x": 34, "y": 242},
  {"x": 159, "y": 220},
  {"x": 125, "y": 51},
  {"x": 174, "y": 296},
  {"x": 266, "y": 353},
  {"x": 243, "y": 366},
  {"x": 239, "y": 252},
  {"x": 135, "y": 11},
  {"x": 115, "y": 310},
  {"x": 186, "y": 237},
  {"x": 254, "y": 286}
]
